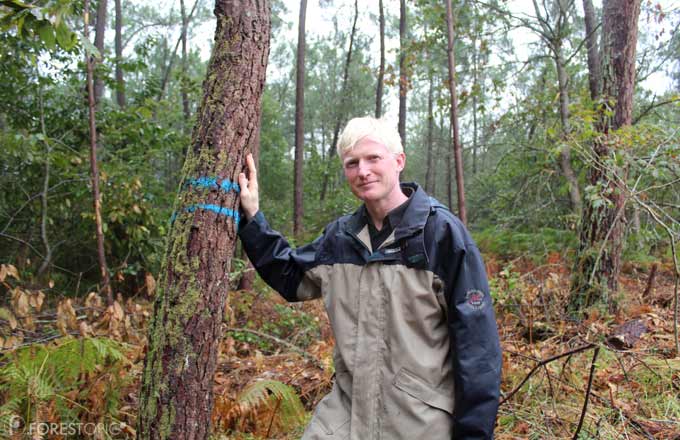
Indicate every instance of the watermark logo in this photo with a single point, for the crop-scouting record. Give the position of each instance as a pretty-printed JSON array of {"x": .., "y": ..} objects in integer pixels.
[{"x": 17, "y": 425}]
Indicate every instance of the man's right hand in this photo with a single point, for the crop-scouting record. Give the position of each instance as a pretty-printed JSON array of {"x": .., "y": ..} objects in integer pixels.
[{"x": 249, "y": 196}]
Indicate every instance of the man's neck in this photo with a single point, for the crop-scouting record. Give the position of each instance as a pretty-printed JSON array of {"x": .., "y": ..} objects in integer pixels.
[{"x": 378, "y": 209}]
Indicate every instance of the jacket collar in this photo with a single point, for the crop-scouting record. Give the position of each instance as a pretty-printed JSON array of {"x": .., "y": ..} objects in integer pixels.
[{"x": 412, "y": 221}]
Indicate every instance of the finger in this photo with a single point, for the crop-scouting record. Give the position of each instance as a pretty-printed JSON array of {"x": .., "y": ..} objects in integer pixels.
[
  {"x": 243, "y": 183},
  {"x": 252, "y": 171}
]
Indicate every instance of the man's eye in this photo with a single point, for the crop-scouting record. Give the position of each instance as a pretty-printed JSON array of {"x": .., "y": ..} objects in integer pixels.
[
  {"x": 350, "y": 164},
  {"x": 374, "y": 158}
]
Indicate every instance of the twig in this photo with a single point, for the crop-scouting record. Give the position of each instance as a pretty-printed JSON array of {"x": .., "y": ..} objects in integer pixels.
[
  {"x": 590, "y": 384},
  {"x": 293, "y": 347},
  {"x": 544, "y": 362}
]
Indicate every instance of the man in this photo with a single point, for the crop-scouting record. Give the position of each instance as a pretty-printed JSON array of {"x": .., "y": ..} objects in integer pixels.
[{"x": 416, "y": 345}]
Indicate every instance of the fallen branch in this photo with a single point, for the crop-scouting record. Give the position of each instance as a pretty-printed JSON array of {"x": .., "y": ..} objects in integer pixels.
[
  {"x": 587, "y": 398},
  {"x": 280, "y": 341},
  {"x": 545, "y": 362}
]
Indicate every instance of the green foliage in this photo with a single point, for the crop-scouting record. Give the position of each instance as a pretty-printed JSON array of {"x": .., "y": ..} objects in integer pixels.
[
  {"x": 36, "y": 376},
  {"x": 277, "y": 395},
  {"x": 507, "y": 242}
]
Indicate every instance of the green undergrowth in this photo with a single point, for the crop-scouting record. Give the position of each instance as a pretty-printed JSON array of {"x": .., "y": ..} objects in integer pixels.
[{"x": 537, "y": 244}]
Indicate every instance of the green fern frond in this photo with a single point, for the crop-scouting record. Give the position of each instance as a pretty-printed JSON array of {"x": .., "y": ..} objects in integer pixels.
[{"x": 290, "y": 410}]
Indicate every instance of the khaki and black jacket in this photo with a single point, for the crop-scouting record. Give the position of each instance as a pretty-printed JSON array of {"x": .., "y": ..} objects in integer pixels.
[{"x": 417, "y": 354}]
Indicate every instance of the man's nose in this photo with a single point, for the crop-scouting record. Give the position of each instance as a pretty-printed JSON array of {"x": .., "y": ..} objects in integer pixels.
[{"x": 363, "y": 169}]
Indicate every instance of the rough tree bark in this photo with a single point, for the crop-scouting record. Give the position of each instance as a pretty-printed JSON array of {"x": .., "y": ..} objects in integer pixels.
[
  {"x": 120, "y": 80},
  {"x": 94, "y": 169},
  {"x": 343, "y": 99},
  {"x": 403, "y": 80},
  {"x": 381, "y": 69},
  {"x": 601, "y": 235},
  {"x": 184, "y": 335},
  {"x": 298, "y": 208},
  {"x": 99, "y": 31},
  {"x": 458, "y": 155}
]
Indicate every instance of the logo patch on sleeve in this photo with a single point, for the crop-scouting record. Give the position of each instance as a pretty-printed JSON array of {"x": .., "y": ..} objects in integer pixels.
[{"x": 475, "y": 298}]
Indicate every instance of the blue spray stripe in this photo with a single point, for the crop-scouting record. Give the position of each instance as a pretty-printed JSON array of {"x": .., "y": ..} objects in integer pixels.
[
  {"x": 225, "y": 185},
  {"x": 228, "y": 212}
]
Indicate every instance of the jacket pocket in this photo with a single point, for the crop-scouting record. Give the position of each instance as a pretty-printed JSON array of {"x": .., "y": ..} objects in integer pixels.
[{"x": 418, "y": 388}]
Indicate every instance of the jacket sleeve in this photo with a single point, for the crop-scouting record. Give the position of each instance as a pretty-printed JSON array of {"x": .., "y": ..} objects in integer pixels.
[
  {"x": 285, "y": 269},
  {"x": 475, "y": 345}
]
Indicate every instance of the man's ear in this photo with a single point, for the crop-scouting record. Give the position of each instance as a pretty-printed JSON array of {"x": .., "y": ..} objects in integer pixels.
[{"x": 401, "y": 161}]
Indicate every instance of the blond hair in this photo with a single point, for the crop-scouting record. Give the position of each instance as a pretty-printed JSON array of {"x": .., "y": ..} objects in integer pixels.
[{"x": 368, "y": 126}]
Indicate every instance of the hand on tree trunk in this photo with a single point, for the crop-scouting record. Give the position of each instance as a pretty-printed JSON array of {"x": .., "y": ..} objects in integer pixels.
[{"x": 249, "y": 196}]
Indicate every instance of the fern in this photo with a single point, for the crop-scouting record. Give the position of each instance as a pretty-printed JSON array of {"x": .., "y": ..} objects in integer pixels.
[
  {"x": 37, "y": 375},
  {"x": 290, "y": 412}
]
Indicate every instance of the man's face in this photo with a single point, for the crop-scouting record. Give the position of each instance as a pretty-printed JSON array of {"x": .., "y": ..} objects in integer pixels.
[{"x": 372, "y": 171}]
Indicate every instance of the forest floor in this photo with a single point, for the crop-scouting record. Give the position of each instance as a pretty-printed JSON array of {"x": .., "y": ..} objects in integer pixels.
[{"x": 275, "y": 361}]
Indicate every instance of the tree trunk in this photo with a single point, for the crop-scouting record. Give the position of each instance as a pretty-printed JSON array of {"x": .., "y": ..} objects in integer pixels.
[
  {"x": 298, "y": 208},
  {"x": 403, "y": 80},
  {"x": 565, "y": 152},
  {"x": 171, "y": 61},
  {"x": 184, "y": 335},
  {"x": 381, "y": 70},
  {"x": 460, "y": 184},
  {"x": 184, "y": 81},
  {"x": 475, "y": 90},
  {"x": 120, "y": 80},
  {"x": 100, "y": 30},
  {"x": 429, "y": 172},
  {"x": 594, "y": 72},
  {"x": 343, "y": 98},
  {"x": 598, "y": 260},
  {"x": 94, "y": 169}
]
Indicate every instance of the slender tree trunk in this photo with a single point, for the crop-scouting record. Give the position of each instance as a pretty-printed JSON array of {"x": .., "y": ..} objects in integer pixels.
[
  {"x": 298, "y": 209},
  {"x": 449, "y": 170},
  {"x": 403, "y": 80},
  {"x": 120, "y": 80},
  {"x": 343, "y": 98},
  {"x": 171, "y": 62},
  {"x": 601, "y": 237},
  {"x": 429, "y": 172},
  {"x": 100, "y": 30},
  {"x": 475, "y": 89},
  {"x": 94, "y": 169},
  {"x": 184, "y": 81},
  {"x": 176, "y": 397},
  {"x": 457, "y": 150},
  {"x": 381, "y": 70},
  {"x": 47, "y": 260},
  {"x": 594, "y": 72},
  {"x": 565, "y": 152}
]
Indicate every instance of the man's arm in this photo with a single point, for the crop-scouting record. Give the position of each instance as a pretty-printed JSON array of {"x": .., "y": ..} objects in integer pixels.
[
  {"x": 475, "y": 345},
  {"x": 280, "y": 266}
]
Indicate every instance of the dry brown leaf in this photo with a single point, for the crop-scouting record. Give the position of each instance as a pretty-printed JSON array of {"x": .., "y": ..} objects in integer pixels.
[
  {"x": 8, "y": 316},
  {"x": 93, "y": 302},
  {"x": 36, "y": 300},
  {"x": 8, "y": 269},
  {"x": 19, "y": 303},
  {"x": 66, "y": 316},
  {"x": 150, "y": 283}
]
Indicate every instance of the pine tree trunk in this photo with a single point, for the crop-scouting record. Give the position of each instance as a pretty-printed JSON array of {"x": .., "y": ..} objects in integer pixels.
[
  {"x": 403, "y": 80},
  {"x": 343, "y": 97},
  {"x": 381, "y": 70},
  {"x": 298, "y": 208},
  {"x": 601, "y": 237},
  {"x": 594, "y": 72},
  {"x": 429, "y": 172},
  {"x": 176, "y": 397},
  {"x": 120, "y": 80},
  {"x": 100, "y": 30},
  {"x": 184, "y": 81},
  {"x": 94, "y": 169},
  {"x": 457, "y": 150}
]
